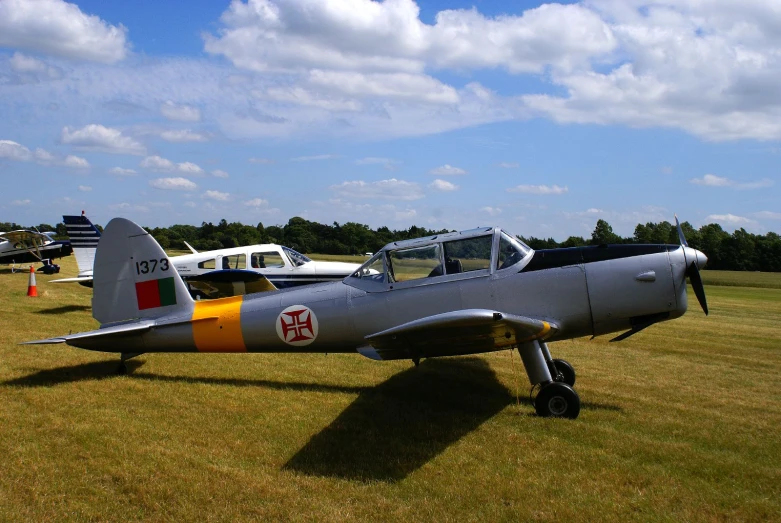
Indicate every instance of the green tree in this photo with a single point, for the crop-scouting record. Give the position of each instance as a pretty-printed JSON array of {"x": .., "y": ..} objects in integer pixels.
[{"x": 603, "y": 234}]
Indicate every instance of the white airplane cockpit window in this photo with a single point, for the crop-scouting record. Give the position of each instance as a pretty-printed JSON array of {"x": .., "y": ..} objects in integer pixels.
[
  {"x": 268, "y": 260},
  {"x": 472, "y": 254},
  {"x": 234, "y": 261},
  {"x": 511, "y": 251},
  {"x": 414, "y": 263},
  {"x": 373, "y": 269},
  {"x": 296, "y": 258},
  {"x": 207, "y": 264}
]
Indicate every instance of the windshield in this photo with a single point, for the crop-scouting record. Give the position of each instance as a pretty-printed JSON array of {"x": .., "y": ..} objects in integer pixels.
[
  {"x": 373, "y": 270},
  {"x": 296, "y": 257},
  {"x": 511, "y": 251}
]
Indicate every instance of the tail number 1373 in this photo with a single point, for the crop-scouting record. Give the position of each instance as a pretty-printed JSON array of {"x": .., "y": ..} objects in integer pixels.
[{"x": 149, "y": 266}]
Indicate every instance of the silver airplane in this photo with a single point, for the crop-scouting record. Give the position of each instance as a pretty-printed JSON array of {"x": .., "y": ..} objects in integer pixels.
[{"x": 453, "y": 294}]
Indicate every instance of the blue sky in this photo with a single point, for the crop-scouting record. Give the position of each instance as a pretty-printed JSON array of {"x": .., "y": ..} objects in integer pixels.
[{"x": 541, "y": 118}]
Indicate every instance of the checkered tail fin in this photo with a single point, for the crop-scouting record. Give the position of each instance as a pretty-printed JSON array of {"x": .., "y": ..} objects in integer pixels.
[{"x": 134, "y": 278}]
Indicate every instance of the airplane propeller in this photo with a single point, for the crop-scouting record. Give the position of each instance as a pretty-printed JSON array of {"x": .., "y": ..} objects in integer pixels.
[{"x": 692, "y": 269}]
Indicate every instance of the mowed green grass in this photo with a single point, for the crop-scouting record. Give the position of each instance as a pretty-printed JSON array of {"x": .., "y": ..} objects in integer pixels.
[{"x": 679, "y": 423}]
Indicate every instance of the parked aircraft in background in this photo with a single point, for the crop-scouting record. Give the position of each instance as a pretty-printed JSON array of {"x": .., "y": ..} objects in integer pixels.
[
  {"x": 222, "y": 272},
  {"x": 84, "y": 238},
  {"x": 452, "y": 294},
  {"x": 25, "y": 246}
]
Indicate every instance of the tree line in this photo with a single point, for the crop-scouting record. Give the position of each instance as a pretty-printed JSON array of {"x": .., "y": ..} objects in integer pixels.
[{"x": 739, "y": 251}]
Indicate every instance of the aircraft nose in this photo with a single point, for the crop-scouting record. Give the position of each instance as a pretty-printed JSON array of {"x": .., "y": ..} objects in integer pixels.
[
  {"x": 693, "y": 255},
  {"x": 702, "y": 260}
]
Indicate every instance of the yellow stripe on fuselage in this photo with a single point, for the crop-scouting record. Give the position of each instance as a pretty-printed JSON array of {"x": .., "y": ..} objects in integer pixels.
[{"x": 223, "y": 333}]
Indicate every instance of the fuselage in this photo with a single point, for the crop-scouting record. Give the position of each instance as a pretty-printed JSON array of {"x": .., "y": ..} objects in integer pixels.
[
  {"x": 585, "y": 291},
  {"x": 15, "y": 253}
]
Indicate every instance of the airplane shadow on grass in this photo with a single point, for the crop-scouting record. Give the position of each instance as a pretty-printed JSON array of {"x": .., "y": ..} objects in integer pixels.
[
  {"x": 99, "y": 370},
  {"x": 66, "y": 308},
  {"x": 396, "y": 427}
]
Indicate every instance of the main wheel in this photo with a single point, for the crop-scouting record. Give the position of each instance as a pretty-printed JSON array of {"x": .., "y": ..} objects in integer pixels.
[
  {"x": 557, "y": 400},
  {"x": 566, "y": 370}
]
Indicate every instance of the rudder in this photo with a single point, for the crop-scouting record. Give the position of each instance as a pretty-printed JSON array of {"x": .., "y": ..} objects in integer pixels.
[{"x": 134, "y": 278}]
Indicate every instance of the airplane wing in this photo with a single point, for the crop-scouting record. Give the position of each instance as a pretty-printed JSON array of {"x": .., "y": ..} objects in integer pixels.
[
  {"x": 455, "y": 333},
  {"x": 30, "y": 241}
]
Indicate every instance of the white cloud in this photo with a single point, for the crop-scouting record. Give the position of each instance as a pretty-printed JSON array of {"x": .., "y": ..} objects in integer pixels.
[
  {"x": 76, "y": 161},
  {"x": 442, "y": 185},
  {"x": 157, "y": 163},
  {"x": 180, "y": 113},
  {"x": 256, "y": 202},
  {"x": 217, "y": 195},
  {"x": 182, "y": 136},
  {"x": 188, "y": 168},
  {"x": 264, "y": 35},
  {"x": 712, "y": 180},
  {"x": 709, "y": 68},
  {"x": 43, "y": 156},
  {"x": 178, "y": 184},
  {"x": 539, "y": 189},
  {"x": 59, "y": 28},
  {"x": 218, "y": 173},
  {"x": 316, "y": 157},
  {"x": 391, "y": 189},
  {"x": 96, "y": 137},
  {"x": 299, "y": 95},
  {"x": 730, "y": 219},
  {"x": 32, "y": 68},
  {"x": 85, "y": 188},
  {"x": 387, "y": 163},
  {"x": 14, "y": 151},
  {"x": 447, "y": 170},
  {"x": 21, "y": 202},
  {"x": 122, "y": 172},
  {"x": 261, "y": 161},
  {"x": 768, "y": 215},
  {"x": 406, "y": 214},
  {"x": 399, "y": 86},
  {"x": 508, "y": 165},
  {"x": 492, "y": 211}
]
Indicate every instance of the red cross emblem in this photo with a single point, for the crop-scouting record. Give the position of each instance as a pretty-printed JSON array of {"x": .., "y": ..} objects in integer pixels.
[{"x": 297, "y": 325}]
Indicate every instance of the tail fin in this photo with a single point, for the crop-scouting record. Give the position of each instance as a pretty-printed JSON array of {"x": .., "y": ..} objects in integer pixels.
[
  {"x": 134, "y": 277},
  {"x": 84, "y": 239}
]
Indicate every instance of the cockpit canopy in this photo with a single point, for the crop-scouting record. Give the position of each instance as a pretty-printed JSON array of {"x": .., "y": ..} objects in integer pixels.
[{"x": 472, "y": 253}]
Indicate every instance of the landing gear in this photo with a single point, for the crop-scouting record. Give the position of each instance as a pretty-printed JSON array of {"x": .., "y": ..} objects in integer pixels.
[
  {"x": 566, "y": 374},
  {"x": 122, "y": 370},
  {"x": 557, "y": 400}
]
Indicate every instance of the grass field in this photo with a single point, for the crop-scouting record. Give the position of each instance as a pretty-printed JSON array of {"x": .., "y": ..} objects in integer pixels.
[{"x": 679, "y": 423}]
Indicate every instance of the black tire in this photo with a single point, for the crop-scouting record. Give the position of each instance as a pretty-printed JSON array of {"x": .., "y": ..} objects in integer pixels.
[
  {"x": 557, "y": 400},
  {"x": 567, "y": 372}
]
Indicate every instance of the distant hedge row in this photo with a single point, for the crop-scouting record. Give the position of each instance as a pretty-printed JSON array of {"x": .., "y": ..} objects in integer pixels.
[{"x": 739, "y": 251}]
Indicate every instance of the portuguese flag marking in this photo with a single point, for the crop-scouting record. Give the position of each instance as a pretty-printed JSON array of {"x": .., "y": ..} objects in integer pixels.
[{"x": 155, "y": 293}]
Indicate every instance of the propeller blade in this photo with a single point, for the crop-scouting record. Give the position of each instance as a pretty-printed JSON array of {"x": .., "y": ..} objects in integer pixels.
[
  {"x": 699, "y": 290},
  {"x": 681, "y": 237}
]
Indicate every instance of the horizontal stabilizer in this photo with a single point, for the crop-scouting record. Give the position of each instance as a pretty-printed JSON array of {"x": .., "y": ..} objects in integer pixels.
[
  {"x": 77, "y": 279},
  {"x": 468, "y": 331},
  {"x": 191, "y": 248},
  {"x": 106, "y": 332}
]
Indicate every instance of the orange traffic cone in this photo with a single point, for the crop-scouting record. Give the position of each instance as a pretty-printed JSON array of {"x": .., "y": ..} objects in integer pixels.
[{"x": 32, "y": 290}]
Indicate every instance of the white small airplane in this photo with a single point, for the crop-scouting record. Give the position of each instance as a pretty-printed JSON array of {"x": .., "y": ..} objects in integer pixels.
[
  {"x": 221, "y": 272},
  {"x": 25, "y": 246}
]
